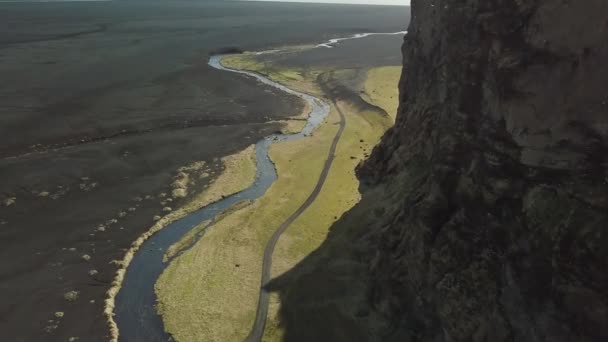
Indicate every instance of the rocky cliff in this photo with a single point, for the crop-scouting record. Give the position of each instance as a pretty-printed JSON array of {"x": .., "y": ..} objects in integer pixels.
[{"x": 485, "y": 209}]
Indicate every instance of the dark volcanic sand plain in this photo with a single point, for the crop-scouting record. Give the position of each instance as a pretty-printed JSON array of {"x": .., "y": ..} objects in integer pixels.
[
  {"x": 353, "y": 58},
  {"x": 100, "y": 103},
  {"x": 370, "y": 51}
]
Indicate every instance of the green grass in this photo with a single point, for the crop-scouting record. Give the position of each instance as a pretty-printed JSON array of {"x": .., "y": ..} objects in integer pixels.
[
  {"x": 185, "y": 241},
  {"x": 380, "y": 88},
  {"x": 210, "y": 291},
  {"x": 239, "y": 173},
  {"x": 339, "y": 194},
  {"x": 219, "y": 291}
]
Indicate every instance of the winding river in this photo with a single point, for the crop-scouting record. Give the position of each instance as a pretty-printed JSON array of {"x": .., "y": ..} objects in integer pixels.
[{"x": 134, "y": 310}]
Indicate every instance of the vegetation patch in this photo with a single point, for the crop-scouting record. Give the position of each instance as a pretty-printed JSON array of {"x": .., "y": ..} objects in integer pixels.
[
  {"x": 188, "y": 239},
  {"x": 196, "y": 305},
  {"x": 300, "y": 78},
  {"x": 338, "y": 195},
  {"x": 228, "y": 259},
  {"x": 239, "y": 174},
  {"x": 380, "y": 88}
]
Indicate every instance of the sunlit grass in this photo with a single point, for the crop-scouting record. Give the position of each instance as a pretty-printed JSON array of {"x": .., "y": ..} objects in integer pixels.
[
  {"x": 380, "y": 88},
  {"x": 239, "y": 173},
  {"x": 203, "y": 289},
  {"x": 210, "y": 292},
  {"x": 339, "y": 194}
]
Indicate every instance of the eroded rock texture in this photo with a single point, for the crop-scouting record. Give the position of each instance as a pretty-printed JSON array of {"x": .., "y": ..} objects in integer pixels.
[
  {"x": 504, "y": 104},
  {"x": 485, "y": 216}
]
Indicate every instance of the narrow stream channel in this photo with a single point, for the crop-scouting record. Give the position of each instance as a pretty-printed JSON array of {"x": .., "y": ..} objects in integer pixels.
[{"x": 134, "y": 309}]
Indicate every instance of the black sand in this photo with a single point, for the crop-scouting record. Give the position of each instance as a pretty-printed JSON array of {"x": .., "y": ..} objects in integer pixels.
[{"x": 100, "y": 103}]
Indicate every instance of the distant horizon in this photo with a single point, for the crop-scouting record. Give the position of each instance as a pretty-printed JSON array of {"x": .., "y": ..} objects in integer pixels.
[
  {"x": 347, "y": 2},
  {"x": 342, "y": 2}
]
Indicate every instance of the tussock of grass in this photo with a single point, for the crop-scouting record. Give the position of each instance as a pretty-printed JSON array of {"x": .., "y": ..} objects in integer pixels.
[
  {"x": 239, "y": 173},
  {"x": 182, "y": 179},
  {"x": 71, "y": 296},
  {"x": 9, "y": 201}
]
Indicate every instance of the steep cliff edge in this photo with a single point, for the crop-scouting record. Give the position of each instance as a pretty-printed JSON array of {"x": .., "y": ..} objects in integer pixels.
[{"x": 485, "y": 210}]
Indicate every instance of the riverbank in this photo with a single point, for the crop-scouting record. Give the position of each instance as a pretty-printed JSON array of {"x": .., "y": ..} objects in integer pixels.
[
  {"x": 227, "y": 259},
  {"x": 238, "y": 173},
  {"x": 135, "y": 311}
]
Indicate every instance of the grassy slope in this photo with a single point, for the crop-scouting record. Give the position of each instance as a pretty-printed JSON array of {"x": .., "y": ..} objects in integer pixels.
[
  {"x": 239, "y": 173},
  {"x": 381, "y": 89},
  {"x": 340, "y": 192},
  {"x": 224, "y": 288}
]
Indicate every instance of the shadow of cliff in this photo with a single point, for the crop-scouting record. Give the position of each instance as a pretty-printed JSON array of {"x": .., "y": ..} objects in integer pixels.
[
  {"x": 327, "y": 296},
  {"x": 324, "y": 297}
]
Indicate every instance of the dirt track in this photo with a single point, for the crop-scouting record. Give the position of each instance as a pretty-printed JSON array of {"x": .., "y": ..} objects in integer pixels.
[{"x": 259, "y": 323}]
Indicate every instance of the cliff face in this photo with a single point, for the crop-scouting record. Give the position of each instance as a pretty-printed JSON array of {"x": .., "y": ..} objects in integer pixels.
[
  {"x": 485, "y": 211},
  {"x": 504, "y": 108}
]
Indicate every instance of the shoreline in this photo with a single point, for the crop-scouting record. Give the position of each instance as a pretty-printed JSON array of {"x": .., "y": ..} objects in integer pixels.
[{"x": 197, "y": 203}]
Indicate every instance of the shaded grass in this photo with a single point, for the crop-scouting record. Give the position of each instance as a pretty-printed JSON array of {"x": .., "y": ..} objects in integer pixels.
[{"x": 339, "y": 194}]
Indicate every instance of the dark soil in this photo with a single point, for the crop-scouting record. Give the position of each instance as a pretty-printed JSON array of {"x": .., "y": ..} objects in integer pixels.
[
  {"x": 370, "y": 51},
  {"x": 119, "y": 94}
]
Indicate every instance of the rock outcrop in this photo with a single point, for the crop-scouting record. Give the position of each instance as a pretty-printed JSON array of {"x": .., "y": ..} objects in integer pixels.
[{"x": 485, "y": 209}]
